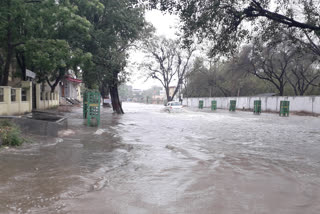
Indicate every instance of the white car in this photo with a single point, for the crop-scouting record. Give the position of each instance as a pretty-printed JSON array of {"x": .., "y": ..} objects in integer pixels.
[{"x": 173, "y": 106}]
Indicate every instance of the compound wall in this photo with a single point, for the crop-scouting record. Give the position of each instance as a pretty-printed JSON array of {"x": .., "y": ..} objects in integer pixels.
[{"x": 310, "y": 104}]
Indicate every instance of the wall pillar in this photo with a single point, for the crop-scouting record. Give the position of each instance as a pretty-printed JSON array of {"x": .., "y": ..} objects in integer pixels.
[
  {"x": 7, "y": 97},
  {"x": 57, "y": 98},
  {"x": 28, "y": 84},
  {"x": 38, "y": 100},
  {"x": 18, "y": 98}
]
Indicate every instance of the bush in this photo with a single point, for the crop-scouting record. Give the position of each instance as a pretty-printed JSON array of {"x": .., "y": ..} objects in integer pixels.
[{"x": 9, "y": 134}]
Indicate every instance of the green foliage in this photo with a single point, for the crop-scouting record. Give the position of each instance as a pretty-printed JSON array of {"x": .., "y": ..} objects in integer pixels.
[
  {"x": 228, "y": 23},
  {"x": 52, "y": 37},
  {"x": 47, "y": 36},
  {"x": 10, "y": 134},
  {"x": 281, "y": 69},
  {"x": 222, "y": 79},
  {"x": 116, "y": 25},
  {"x": 115, "y": 28}
]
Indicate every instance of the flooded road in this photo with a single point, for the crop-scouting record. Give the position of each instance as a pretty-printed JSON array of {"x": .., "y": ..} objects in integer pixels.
[{"x": 149, "y": 161}]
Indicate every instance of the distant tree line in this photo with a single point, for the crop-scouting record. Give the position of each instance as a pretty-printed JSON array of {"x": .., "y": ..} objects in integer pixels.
[
  {"x": 276, "y": 66},
  {"x": 255, "y": 46},
  {"x": 126, "y": 93}
]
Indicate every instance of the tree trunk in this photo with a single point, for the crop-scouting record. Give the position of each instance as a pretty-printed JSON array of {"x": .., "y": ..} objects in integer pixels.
[
  {"x": 5, "y": 77},
  {"x": 22, "y": 64},
  {"x": 176, "y": 90},
  {"x": 168, "y": 94},
  {"x": 56, "y": 82},
  {"x": 116, "y": 104},
  {"x": 104, "y": 91},
  {"x": 281, "y": 90}
]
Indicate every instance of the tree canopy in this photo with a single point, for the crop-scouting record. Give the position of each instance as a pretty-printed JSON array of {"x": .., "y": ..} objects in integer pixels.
[
  {"x": 40, "y": 34},
  {"x": 52, "y": 37},
  {"x": 227, "y": 23},
  {"x": 167, "y": 62},
  {"x": 117, "y": 24}
]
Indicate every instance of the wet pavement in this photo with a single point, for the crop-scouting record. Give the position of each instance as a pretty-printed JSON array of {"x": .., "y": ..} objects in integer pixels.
[{"x": 150, "y": 161}]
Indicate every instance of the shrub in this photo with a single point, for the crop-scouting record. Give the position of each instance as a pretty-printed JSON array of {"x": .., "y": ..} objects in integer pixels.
[{"x": 10, "y": 134}]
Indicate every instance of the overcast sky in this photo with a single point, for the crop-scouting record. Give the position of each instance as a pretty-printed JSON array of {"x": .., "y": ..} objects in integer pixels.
[{"x": 165, "y": 25}]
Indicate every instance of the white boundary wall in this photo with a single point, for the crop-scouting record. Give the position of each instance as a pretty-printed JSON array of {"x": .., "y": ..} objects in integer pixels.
[{"x": 310, "y": 104}]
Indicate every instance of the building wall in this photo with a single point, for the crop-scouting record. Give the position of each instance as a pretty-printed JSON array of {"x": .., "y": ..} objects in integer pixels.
[
  {"x": 310, "y": 104},
  {"x": 71, "y": 89},
  {"x": 8, "y": 107}
]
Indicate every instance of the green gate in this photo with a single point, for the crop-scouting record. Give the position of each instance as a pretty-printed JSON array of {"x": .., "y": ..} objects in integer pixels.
[
  {"x": 284, "y": 108},
  {"x": 232, "y": 106},
  {"x": 213, "y": 105},
  {"x": 200, "y": 104},
  {"x": 257, "y": 107},
  {"x": 91, "y": 106}
]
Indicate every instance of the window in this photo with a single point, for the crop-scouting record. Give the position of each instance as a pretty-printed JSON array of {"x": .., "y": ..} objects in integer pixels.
[
  {"x": 1, "y": 95},
  {"x": 13, "y": 95},
  {"x": 24, "y": 94}
]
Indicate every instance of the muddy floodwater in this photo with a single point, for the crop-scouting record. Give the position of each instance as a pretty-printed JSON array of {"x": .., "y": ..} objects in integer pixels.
[{"x": 150, "y": 161}]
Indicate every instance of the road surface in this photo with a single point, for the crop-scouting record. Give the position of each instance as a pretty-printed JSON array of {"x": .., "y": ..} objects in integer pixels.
[{"x": 150, "y": 161}]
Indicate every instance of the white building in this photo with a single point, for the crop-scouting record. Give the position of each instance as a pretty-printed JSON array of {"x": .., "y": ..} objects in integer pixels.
[{"x": 70, "y": 87}]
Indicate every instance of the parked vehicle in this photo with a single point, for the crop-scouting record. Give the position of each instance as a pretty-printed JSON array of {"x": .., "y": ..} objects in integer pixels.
[{"x": 173, "y": 106}]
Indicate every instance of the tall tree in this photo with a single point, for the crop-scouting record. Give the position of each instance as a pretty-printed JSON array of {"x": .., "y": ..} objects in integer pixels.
[
  {"x": 14, "y": 15},
  {"x": 222, "y": 78},
  {"x": 167, "y": 62},
  {"x": 272, "y": 64},
  {"x": 117, "y": 24},
  {"x": 226, "y": 22},
  {"x": 41, "y": 35},
  {"x": 301, "y": 72},
  {"x": 304, "y": 73}
]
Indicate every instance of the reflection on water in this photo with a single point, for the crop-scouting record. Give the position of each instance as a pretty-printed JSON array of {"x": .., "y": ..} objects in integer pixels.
[{"x": 149, "y": 161}]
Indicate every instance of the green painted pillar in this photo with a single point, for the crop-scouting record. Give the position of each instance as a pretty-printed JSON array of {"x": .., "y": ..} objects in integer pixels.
[
  {"x": 200, "y": 104},
  {"x": 213, "y": 105},
  {"x": 232, "y": 106},
  {"x": 284, "y": 108},
  {"x": 257, "y": 107}
]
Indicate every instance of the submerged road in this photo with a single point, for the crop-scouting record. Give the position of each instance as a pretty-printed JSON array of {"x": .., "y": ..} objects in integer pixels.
[{"x": 149, "y": 161}]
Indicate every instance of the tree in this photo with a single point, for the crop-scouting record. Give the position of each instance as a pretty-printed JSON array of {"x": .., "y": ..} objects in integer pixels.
[
  {"x": 14, "y": 15},
  {"x": 167, "y": 62},
  {"x": 225, "y": 23},
  {"x": 222, "y": 78},
  {"x": 58, "y": 47},
  {"x": 271, "y": 64},
  {"x": 42, "y": 35},
  {"x": 117, "y": 24},
  {"x": 206, "y": 81},
  {"x": 304, "y": 73}
]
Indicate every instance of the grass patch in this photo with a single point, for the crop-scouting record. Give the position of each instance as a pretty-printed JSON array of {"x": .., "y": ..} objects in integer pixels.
[{"x": 10, "y": 134}]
